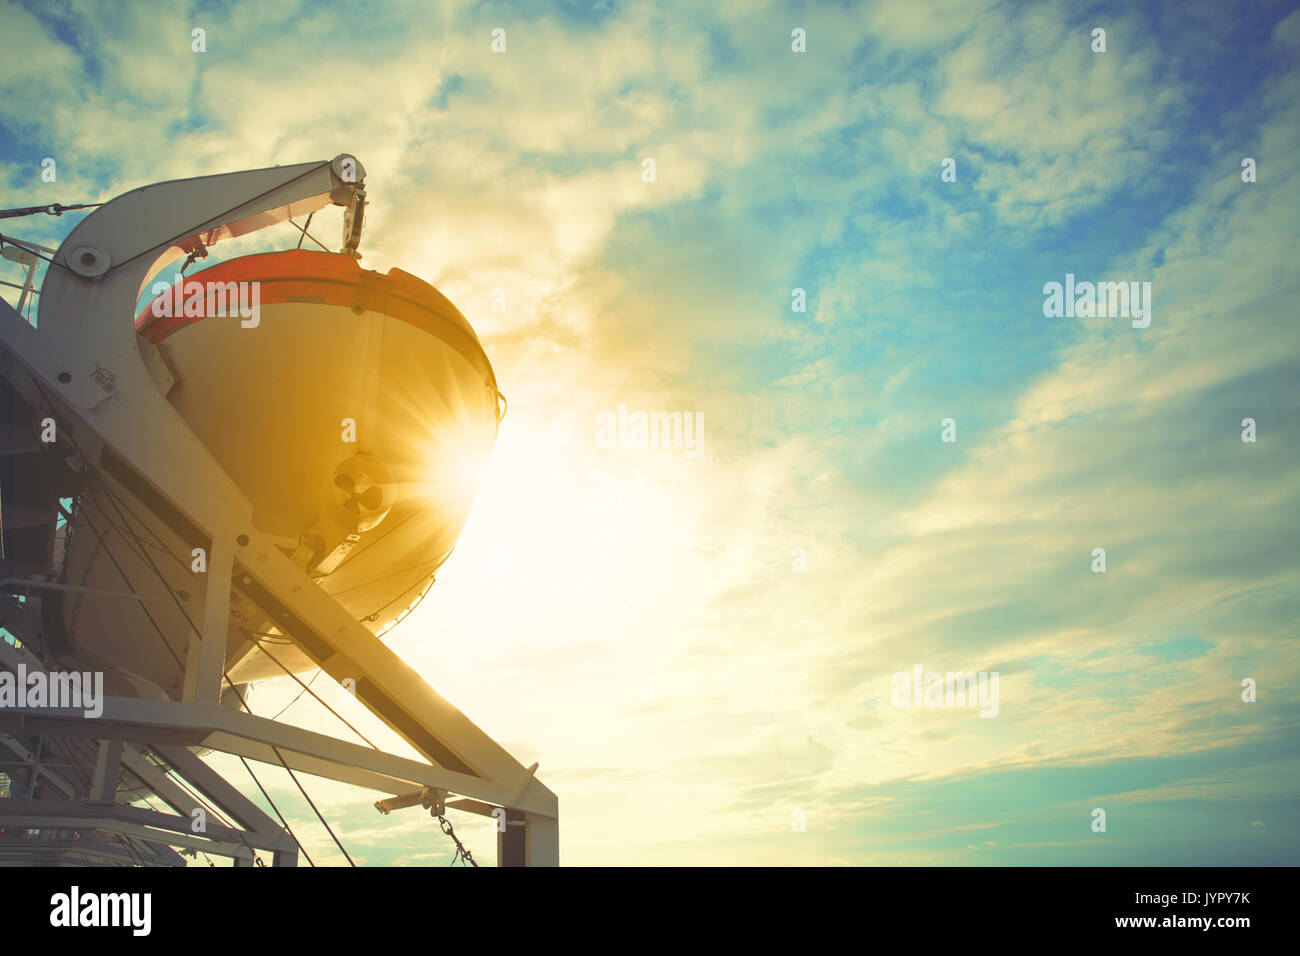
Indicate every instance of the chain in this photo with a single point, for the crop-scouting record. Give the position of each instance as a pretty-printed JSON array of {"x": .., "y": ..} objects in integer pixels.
[{"x": 461, "y": 852}]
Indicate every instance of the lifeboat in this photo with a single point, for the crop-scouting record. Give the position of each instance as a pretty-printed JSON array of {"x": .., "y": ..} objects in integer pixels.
[{"x": 356, "y": 410}]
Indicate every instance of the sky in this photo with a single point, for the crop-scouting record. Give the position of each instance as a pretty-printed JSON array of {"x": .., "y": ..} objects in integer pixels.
[{"x": 700, "y": 649}]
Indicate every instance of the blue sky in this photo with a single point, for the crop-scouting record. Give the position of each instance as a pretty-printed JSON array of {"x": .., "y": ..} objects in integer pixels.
[{"x": 594, "y": 570}]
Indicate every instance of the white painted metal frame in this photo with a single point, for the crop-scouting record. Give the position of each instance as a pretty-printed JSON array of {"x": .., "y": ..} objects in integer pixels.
[{"x": 84, "y": 353}]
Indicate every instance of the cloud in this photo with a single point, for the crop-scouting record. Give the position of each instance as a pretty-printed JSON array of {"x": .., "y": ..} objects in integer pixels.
[{"x": 585, "y": 571}]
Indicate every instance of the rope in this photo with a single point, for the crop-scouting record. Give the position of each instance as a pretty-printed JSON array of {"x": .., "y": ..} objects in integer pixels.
[
  {"x": 307, "y": 689},
  {"x": 308, "y": 798},
  {"x": 283, "y": 822},
  {"x": 281, "y": 711},
  {"x": 303, "y": 230},
  {"x": 26, "y": 247},
  {"x": 306, "y": 226},
  {"x": 54, "y": 209}
]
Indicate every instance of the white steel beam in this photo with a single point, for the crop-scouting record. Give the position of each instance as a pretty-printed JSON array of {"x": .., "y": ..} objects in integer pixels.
[{"x": 160, "y": 723}]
